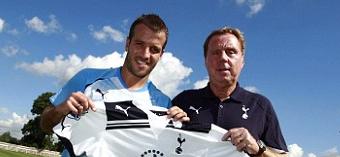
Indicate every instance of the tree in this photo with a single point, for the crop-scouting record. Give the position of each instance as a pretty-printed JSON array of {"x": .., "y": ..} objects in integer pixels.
[
  {"x": 33, "y": 135},
  {"x": 6, "y": 137}
]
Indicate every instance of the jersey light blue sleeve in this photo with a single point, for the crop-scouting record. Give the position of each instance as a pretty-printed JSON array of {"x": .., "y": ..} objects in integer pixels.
[
  {"x": 79, "y": 82},
  {"x": 157, "y": 97}
]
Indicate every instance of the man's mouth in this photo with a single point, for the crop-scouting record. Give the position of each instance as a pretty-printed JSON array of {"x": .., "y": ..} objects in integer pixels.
[
  {"x": 141, "y": 62},
  {"x": 223, "y": 69}
]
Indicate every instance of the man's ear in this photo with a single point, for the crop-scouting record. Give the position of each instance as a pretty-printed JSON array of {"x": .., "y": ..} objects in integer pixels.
[
  {"x": 127, "y": 43},
  {"x": 243, "y": 62}
]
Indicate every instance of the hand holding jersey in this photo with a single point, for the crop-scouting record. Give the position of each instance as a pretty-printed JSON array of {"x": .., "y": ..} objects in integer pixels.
[
  {"x": 242, "y": 139},
  {"x": 123, "y": 126},
  {"x": 177, "y": 114},
  {"x": 77, "y": 103}
]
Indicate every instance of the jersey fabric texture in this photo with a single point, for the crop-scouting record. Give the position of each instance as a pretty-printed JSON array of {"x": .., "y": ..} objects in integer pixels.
[
  {"x": 130, "y": 128},
  {"x": 103, "y": 81},
  {"x": 243, "y": 109}
]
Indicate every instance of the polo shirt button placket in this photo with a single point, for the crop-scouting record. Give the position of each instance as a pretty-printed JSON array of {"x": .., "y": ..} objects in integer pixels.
[{"x": 220, "y": 113}]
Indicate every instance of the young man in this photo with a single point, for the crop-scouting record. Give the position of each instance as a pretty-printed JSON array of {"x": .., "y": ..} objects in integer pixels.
[
  {"x": 249, "y": 118},
  {"x": 145, "y": 45}
]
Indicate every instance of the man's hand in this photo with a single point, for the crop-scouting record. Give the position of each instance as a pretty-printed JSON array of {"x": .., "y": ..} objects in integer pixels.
[
  {"x": 178, "y": 114},
  {"x": 76, "y": 103},
  {"x": 242, "y": 139}
]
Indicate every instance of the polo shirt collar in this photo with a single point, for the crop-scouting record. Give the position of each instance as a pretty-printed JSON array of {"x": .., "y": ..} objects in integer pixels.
[{"x": 236, "y": 95}]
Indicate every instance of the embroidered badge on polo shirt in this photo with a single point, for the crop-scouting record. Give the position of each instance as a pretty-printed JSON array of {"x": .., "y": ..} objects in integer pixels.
[{"x": 245, "y": 110}]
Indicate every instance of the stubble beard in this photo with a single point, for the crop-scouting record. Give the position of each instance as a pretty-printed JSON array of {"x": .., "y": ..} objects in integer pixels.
[{"x": 136, "y": 72}]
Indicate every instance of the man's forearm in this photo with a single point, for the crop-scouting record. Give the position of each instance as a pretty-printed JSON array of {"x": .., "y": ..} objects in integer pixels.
[{"x": 50, "y": 118}]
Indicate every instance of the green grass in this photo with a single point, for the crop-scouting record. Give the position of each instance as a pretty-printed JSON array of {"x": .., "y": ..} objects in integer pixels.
[{"x": 7, "y": 153}]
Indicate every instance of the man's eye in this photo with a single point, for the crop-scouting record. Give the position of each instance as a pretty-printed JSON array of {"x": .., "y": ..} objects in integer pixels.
[
  {"x": 139, "y": 43},
  {"x": 231, "y": 52},
  {"x": 155, "y": 49}
]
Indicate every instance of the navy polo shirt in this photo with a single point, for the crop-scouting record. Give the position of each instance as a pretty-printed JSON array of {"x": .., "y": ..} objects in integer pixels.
[{"x": 243, "y": 109}]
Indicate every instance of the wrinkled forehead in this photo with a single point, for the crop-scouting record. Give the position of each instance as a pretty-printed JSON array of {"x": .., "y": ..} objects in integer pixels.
[{"x": 225, "y": 41}]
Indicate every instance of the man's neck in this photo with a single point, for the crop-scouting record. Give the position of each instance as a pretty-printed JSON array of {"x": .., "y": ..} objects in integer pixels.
[
  {"x": 132, "y": 82},
  {"x": 222, "y": 91}
]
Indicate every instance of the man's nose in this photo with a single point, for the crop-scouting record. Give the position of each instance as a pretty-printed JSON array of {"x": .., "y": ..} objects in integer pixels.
[
  {"x": 146, "y": 52},
  {"x": 224, "y": 56}
]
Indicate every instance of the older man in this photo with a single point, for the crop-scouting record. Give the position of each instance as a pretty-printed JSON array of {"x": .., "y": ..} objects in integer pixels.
[{"x": 249, "y": 117}]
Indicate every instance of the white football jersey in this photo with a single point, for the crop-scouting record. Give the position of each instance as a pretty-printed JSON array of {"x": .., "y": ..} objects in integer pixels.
[{"x": 127, "y": 125}]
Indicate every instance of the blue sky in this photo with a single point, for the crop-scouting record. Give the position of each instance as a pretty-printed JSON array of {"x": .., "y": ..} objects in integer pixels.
[{"x": 292, "y": 55}]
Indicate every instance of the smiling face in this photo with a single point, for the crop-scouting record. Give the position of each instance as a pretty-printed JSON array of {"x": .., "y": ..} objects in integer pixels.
[
  {"x": 224, "y": 59},
  {"x": 144, "y": 50}
]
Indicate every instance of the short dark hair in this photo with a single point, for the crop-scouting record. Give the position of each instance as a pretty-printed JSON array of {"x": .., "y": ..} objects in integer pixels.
[
  {"x": 225, "y": 30},
  {"x": 153, "y": 22}
]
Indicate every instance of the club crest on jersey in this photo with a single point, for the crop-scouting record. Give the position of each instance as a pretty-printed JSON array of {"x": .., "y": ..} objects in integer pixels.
[
  {"x": 196, "y": 110},
  {"x": 180, "y": 140},
  {"x": 245, "y": 110}
]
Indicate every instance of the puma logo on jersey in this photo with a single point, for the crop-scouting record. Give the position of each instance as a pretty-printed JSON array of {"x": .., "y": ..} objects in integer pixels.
[
  {"x": 122, "y": 109},
  {"x": 196, "y": 110}
]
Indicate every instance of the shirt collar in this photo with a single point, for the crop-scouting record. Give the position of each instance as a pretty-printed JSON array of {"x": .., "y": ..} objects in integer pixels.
[
  {"x": 120, "y": 77},
  {"x": 236, "y": 95}
]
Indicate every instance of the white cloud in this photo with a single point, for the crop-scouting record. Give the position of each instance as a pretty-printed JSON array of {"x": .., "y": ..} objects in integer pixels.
[
  {"x": 252, "y": 89},
  {"x": 3, "y": 110},
  {"x": 12, "y": 50},
  {"x": 14, "y": 125},
  {"x": 2, "y": 24},
  {"x": 64, "y": 68},
  {"x": 333, "y": 152},
  {"x": 311, "y": 155},
  {"x": 201, "y": 83},
  {"x": 124, "y": 25},
  {"x": 13, "y": 32},
  {"x": 168, "y": 74},
  {"x": 36, "y": 24},
  {"x": 72, "y": 37},
  {"x": 125, "y": 22},
  {"x": 107, "y": 33},
  {"x": 295, "y": 151},
  {"x": 254, "y": 6}
]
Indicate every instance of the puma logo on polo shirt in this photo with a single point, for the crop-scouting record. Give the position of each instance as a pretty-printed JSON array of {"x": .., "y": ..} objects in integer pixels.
[{"x": 196, "y": 110}]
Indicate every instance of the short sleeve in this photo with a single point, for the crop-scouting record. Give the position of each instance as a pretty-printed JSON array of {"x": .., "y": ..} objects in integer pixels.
[
  {"x": 76, "y": 83},
  {"x": 272, "y": 136},
  {"x": 158, "y": 98}
]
